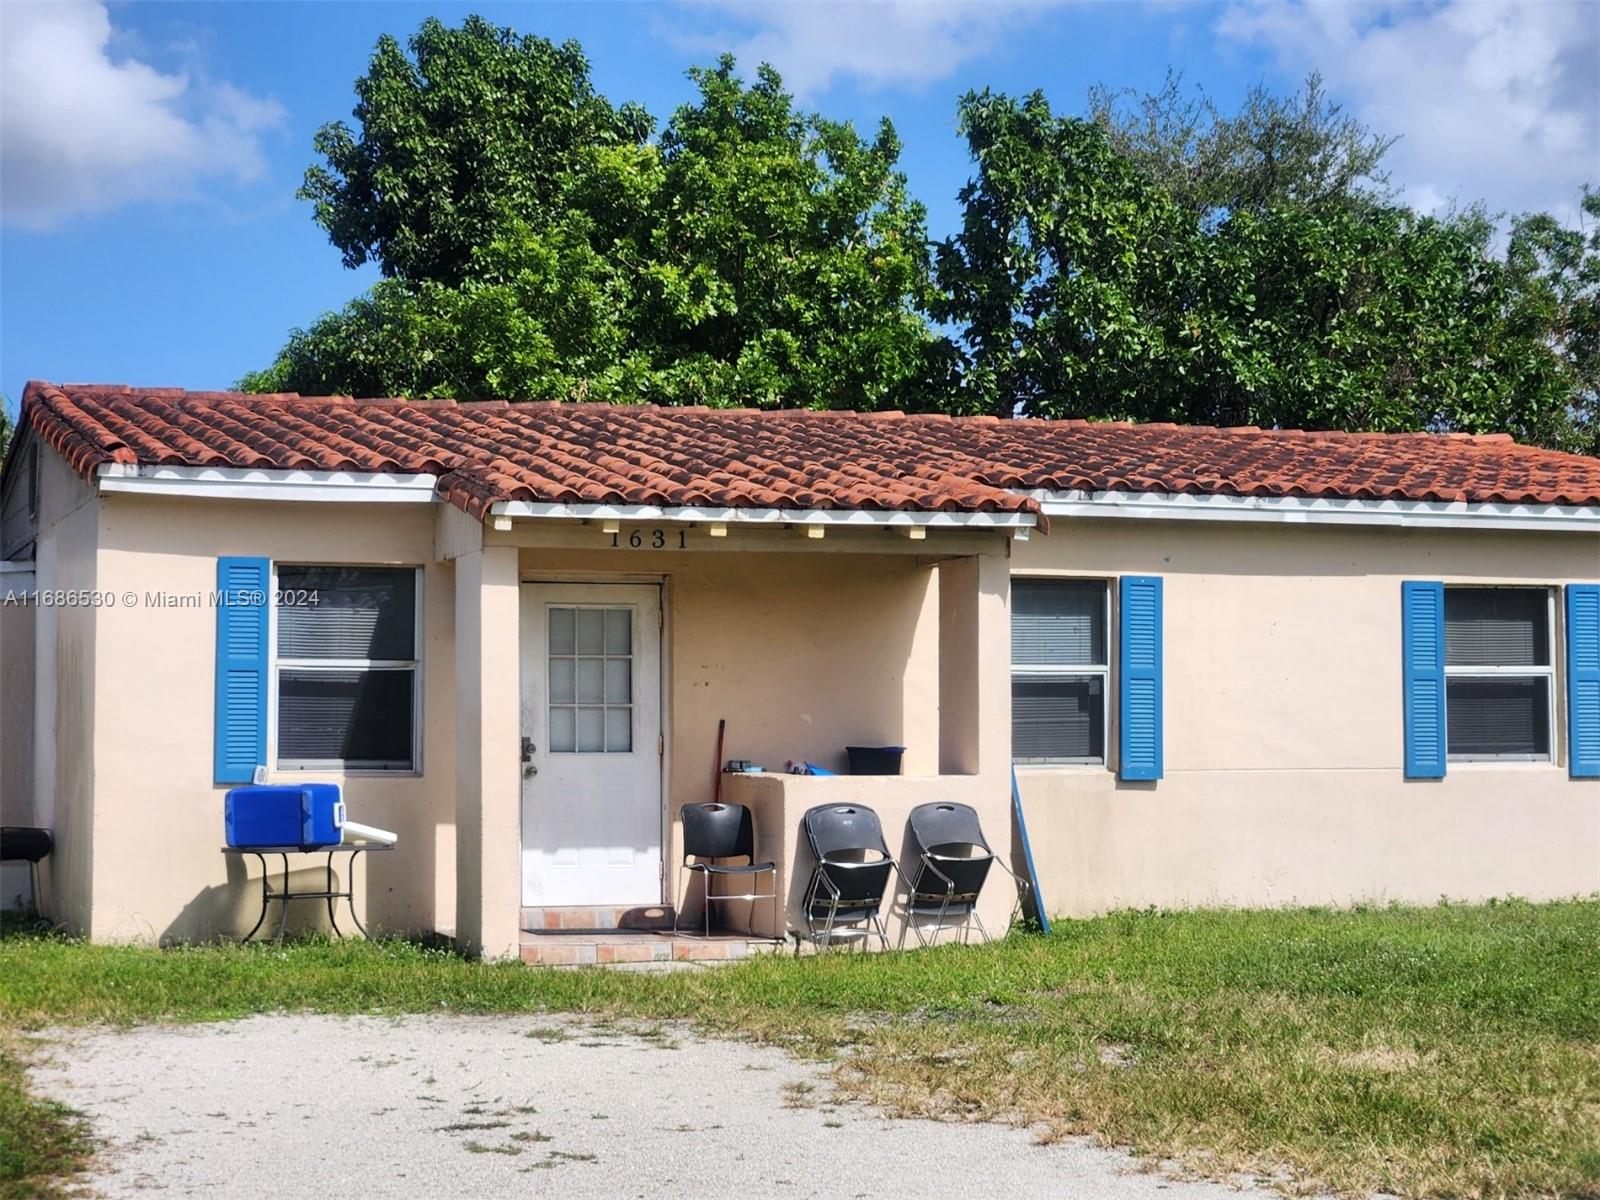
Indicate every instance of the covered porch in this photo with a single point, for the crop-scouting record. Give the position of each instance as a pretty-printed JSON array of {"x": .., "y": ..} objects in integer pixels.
[{"x": 595, "y": 654}]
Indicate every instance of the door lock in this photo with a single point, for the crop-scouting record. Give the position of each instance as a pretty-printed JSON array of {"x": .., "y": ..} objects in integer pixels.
[{"x": 527, "y": 749}]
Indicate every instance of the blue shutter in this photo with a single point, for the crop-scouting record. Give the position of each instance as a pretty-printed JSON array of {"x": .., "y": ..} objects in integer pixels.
[
  {"x": 1422, "y": 639},
  {"x": 1583, "y": 680},
  {"x": 1139, "y": 678},
  {"x": 241, "y": 737}
]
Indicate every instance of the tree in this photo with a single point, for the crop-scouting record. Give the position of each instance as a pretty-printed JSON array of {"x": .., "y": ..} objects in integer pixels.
[
  {"x": 1555, "y": 272},
  {"x": 1276, "y": 150},
  {"x": 755, "y": 255},
  {"x": 477, "y": 124},
  {"x": 1083, "y": 287},
  {"x": 5, "y": 429}
]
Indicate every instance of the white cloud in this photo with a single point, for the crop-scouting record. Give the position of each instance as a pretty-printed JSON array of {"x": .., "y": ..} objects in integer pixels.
[
  {"x": 1494, "y": 99},
  {"x": 82, "y": 132},
  {"x": 880, "y": 43}
]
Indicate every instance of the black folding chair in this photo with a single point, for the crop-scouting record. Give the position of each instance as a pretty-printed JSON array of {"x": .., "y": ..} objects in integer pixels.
[
  {"x": 852, "y": 872},
  {"x": 953, "y": 861},
  {"x": 24, "y": 843},
  {"x": 718, "y": 831}
]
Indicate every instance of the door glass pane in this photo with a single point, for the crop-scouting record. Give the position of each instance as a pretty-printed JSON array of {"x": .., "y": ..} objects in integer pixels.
[
  {"x": 1498, "y": 716},
  {"x": 562, "y": 688},
  {"x": 591, "y": 673},
  {"x": 590, "y": 638},
  {"x": 591, "y": 680},
  {"x": 1058, "y": 719},
  {"x": 619, "y": 631},
  {"x": 591, "y": 730},
  {"x": 619, "y": 681},
  {"x": 563, "y": 730},
  {"x": 561, "y": 631},
  {"x": 619, "y": 730}
]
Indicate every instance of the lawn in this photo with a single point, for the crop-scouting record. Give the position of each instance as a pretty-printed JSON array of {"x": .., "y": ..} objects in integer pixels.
[{"x": 1447, "y": 1051}]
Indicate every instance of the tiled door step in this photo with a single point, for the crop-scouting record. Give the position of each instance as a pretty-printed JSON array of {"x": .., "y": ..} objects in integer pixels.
[
  {"x": 577, "y": 949},
  {"x": 598, "y": 919}
]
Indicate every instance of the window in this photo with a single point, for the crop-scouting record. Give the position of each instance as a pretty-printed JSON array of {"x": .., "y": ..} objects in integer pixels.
[
  {"x": 591, "y": 680},
  {"x": 346, "y": 667},
  {"x": 1498, "y": 674},
  {"x": 1059, "y": 672}
]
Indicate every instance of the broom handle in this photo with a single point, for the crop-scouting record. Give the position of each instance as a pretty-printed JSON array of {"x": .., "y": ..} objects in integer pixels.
[{"x": 716, "y": 782}]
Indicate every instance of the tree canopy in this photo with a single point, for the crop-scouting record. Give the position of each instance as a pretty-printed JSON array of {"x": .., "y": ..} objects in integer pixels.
[
  {"x": 1156, "y": 259},
  {"x": 754, "y": 254},
  {"x": 1083, "y": 286}
]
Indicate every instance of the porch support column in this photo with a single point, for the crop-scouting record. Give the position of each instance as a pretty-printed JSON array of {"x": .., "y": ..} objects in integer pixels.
[
  {"x": 975, "y": 666},
  {"x": 488, "y": 778}
]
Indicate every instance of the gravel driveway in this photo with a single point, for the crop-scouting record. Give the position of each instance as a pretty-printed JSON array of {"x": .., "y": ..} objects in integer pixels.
[{"x": 292, "y": 1106}]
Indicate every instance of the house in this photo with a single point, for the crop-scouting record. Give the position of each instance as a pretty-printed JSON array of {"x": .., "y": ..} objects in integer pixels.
[{"x": 1232, "y": 666}]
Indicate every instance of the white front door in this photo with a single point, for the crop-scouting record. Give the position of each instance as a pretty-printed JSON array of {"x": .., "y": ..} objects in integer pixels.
[{"x": 591, "y": 724}]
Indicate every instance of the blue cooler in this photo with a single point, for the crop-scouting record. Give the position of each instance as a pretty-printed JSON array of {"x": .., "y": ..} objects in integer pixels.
[{"x": 310, "y": 816}]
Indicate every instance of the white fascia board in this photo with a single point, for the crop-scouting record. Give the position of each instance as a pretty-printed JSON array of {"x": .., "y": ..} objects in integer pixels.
[
  {"x": 1317, "y": 510},
  {"x": 249, "y": 483},
  {"x": 765, "y": 516}
]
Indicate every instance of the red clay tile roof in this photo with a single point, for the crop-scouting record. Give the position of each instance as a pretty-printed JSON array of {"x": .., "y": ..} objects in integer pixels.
[{"x": 487, "y": 452}]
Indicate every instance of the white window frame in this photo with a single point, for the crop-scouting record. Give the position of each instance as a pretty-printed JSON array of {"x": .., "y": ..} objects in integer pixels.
[
  {"x": 1031, "y": 671},
  {"x": 276, "y": 665},
  {"x": 1546, "y": 672}
]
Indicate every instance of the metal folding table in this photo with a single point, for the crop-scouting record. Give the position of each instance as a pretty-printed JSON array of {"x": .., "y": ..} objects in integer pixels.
[{"x": 330, "y": 893}]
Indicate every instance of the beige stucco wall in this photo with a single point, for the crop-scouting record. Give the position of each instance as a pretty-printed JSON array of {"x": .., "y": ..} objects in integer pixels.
[
  {"x": 158, "y": 871},
  {"x": 1284, "y": 733}
]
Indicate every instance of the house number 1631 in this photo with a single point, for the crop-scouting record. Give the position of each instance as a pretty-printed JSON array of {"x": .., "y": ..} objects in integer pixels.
[{"x": 653, "y": 539}]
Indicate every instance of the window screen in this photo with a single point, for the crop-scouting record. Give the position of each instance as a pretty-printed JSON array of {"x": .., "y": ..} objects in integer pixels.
[
  {"x": 1498, "y": 677},
  {"x": 347, "y": 667},
  {"x": 1059, "y": 670}
]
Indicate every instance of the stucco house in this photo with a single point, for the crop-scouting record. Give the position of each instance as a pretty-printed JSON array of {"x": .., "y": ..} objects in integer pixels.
[{"x": 1232, "y": 666}]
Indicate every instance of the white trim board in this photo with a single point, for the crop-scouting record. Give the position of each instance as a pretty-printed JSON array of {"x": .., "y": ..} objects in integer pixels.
[
  {"x": 1318, "y": 510},
  {"x": 249, "y": 483},
  {"x": 765, "y": 516}
]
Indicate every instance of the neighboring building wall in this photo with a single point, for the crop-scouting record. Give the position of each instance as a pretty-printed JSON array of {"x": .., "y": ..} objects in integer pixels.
[
  {"x": 1283, "y": 730},
  {"x": 158, "y": 824},
  {"x": 17, "y": 623},
  {"x": 63, "y": 693}
]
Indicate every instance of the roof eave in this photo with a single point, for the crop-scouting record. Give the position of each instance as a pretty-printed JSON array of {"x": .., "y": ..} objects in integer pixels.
[{"x": 1319, "y": 510}]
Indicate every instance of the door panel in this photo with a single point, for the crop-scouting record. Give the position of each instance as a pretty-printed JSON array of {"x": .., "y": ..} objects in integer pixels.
[{"x": 591, "y": 714}]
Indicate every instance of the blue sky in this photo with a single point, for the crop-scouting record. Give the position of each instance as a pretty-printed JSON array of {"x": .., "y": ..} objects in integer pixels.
[{"x": 149, "y": 152}]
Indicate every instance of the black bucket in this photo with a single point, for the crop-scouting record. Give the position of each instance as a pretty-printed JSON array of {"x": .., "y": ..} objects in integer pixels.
[{"x": 875, "y": 760}]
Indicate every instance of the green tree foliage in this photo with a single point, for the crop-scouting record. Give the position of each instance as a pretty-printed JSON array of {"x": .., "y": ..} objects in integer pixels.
[
  {"x": 1276, "y": 150},
  {"x": 476, "y": 124},
  {"x": 1084, "y": 287},
  {"x": 754, "y": 255},
  {"x": 1556, "y": 276}
]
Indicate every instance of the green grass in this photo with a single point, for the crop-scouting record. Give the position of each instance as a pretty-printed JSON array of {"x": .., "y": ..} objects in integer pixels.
[
  {"x": 1451, "y": 1051},
  {"x": 41, "y": 1142}
]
